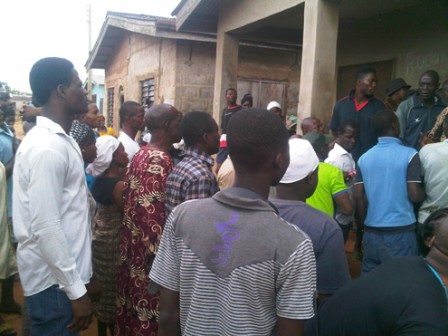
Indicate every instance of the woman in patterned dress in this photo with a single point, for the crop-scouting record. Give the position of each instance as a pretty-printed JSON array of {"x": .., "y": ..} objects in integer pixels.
[{"x": 108, "y": 168}]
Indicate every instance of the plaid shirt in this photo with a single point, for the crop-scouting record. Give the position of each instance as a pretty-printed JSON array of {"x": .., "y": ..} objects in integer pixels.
[{"x": 191, "y": 178}]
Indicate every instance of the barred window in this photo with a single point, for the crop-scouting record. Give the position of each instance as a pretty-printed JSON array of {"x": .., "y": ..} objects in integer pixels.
[
  {"x": 148, "y": 92},
  {"x": 110, "y": 107}
]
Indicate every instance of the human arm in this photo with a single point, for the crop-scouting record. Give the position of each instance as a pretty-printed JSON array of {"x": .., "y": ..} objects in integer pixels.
[
  {"x": 169, "y": 323},
  {"x": 117, "y": 195},
  {"x": 415, "y": 189},
  {"x": 340, "y": 194},
  {"x": 48, "y": 174},
  {"x": 289, "y": 327}
]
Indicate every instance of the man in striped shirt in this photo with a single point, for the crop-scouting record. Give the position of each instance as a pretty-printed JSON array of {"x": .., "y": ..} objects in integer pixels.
[{"x": 229, "y": 265}]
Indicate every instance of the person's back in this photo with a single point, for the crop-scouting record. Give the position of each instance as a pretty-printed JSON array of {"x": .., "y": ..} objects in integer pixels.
[
  {"x": 228, "y": 265},
  {"x": 330, "y": 184},
  {"x": 400, "y": 297}
]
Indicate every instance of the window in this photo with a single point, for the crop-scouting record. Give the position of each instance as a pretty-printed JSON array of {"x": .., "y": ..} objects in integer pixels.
[
  {"x": 110, "y": 107},
  {"x": 148, "y": 92}
]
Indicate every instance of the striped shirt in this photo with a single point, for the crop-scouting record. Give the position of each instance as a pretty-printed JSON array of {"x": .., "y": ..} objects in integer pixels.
[
  {"x": 192, "y": 178},
  {"x": 236, "y": 264}
]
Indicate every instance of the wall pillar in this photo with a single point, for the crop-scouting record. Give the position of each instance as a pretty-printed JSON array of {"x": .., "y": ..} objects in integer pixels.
[
  {"x": 318, "y": 73},
  {"x": 225, "y": 70}
]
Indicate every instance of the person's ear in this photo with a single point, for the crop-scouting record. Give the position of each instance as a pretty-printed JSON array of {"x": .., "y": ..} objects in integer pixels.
[
  {"x": 61, "y": 90},
  {"x": 281, "y": 161}
]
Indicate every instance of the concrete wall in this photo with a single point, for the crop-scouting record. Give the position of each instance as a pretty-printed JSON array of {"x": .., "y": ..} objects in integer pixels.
[
  {"x": 415, "y": 38},
  {"x": 139, "y": 57},
  {"x": 195, "y": 76}
]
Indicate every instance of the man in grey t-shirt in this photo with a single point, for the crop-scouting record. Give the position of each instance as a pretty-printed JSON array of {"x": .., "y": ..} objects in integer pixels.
[{"x": 229, "y": 265}]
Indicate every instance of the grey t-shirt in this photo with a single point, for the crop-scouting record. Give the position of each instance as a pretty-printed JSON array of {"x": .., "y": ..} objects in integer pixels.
[
  {"x": 236, "y": 264},
  {"x": 328, "y": 244}
]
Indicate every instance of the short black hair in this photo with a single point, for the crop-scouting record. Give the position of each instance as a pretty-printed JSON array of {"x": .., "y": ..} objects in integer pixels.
[
  {"x": 348, "y": 123},
  {"x": 253, "y": 135},
  {"x": 45, "y": 76},
  {"x": 433, "y": 74},
  {"x": 429, "y": 228},
  {"x": 230, "y": 89},
  {"x": 247, "y": 97},
  {"x": 194, "y": 125},
  {"x": 364, "y": 70},
  {"x": 382, "y": 121},
  {"x": 127, "y": 110}
]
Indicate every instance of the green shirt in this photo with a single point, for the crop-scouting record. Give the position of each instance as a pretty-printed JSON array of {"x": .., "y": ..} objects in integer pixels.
[{"x": 330, "y": 184}]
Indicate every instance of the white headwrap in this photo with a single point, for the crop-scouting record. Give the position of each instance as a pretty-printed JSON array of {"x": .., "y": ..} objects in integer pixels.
[{"x": 106, "y": 145}]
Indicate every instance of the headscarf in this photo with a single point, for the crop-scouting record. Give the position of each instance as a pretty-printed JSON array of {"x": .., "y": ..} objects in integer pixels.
[
  {"x": 106, "y": 145},
  {"x": 81, "y": 132}
]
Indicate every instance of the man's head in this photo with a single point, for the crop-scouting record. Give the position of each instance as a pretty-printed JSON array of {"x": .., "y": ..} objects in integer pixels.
[
  {"x": 257, "y": 141},
  {"x": 348, "y": 134},
  {"x": 247, "y": 101},
  {"x": 320, "y": 143},
  {"x": 433, "y": 233},
  {"x": 92, "y": 116},
  {"x": 311, "y": 124},
  {"x": 164, "y": 120},
  {"x": 302, "y": 170},
  {"x": 397, "y": 89},
  {"x": 131, "y": 115},
  {"x": 428, "y": 85},
  {"x": 366, "y": 81},
  {"x": 54, "y": 81},
  {"x": 385, "y": 123},
  {"x": 200, "y": 130},
  {"x": 231, "y": 96},
  {"x": 275, "y": 108},
  {"x": 5, "y": 105}
]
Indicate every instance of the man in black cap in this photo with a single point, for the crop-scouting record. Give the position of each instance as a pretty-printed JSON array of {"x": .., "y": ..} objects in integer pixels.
[{"x": 396, "y": 92}]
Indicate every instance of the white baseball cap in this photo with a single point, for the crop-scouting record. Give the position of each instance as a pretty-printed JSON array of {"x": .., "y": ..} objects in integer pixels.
[
  {"x": 303, "y": 161},
  {"x": 274, "y": 104}
]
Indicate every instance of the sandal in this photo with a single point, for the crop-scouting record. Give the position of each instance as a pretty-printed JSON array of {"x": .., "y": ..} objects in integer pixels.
[{"x": 7, "y": 330}]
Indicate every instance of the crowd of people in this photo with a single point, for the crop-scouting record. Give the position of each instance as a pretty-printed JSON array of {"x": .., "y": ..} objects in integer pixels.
[{"x": 153, "y": 236}]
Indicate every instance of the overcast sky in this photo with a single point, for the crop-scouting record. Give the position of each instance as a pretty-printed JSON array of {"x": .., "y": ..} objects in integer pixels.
[{"x": 33, "y": 29}]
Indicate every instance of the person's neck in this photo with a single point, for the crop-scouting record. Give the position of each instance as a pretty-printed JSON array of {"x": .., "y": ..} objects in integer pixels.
[
  {"x": 160, "y": 141},
  {"x": 231, "y": 104},
  {"x": 113, "y": 171},
  {"x": 253, "y": 182},
  {"x": 427, "y": 102},
  {"x": 288, "y": 193},
  {"x": 439, "y": 262},
  {"x": 360, "y": 97},
  {"x": 59, "y": 118},
  {"x": 129, "y": 131}
]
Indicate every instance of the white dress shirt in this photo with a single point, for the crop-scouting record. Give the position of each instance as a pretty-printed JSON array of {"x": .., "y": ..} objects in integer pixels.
[
  {"x": 130, "y": 145},
  {"x": 51, "y": 212}
]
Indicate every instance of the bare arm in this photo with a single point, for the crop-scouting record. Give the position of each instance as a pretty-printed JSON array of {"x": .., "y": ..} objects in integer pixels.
[
  {"x": 289, "y": 327},
  {"x": 82, "y": 314},
  {"x": 360, "y": 205},
  {"x": 416, "y": 192},
  {"x": 344, "y": 203},
  {"x": 169, "y": 323},
  {"x": 117, "y": 195}
]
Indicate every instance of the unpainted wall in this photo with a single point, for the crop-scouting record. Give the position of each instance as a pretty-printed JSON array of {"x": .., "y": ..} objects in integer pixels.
[{"x": 415, "y": 38}]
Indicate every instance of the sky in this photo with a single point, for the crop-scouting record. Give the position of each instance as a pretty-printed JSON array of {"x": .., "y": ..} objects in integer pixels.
[{"x": 33, "y": 29}]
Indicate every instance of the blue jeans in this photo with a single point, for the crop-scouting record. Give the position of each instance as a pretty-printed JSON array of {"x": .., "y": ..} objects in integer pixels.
[
  {"x": 379, "y": 247},
  {"x": 50, "y": 312}
]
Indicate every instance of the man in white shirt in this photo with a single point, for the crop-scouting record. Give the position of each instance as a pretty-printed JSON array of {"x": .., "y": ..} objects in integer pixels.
[
  {"x": 341, "y": 158},
  {"x": 434, "y": 158},
  {"x": 50, "y": 206},
  {"x": 131, "y": 119}
]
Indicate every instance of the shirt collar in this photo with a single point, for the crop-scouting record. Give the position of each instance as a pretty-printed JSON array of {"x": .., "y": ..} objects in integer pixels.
[
  {"x": 198, "y": 155},
  {"x": 5, "y": 129},
  {"x": 50, "y": 125},
  {"x": 387, "y": 139},
  {"x": 339, "y": 150}
]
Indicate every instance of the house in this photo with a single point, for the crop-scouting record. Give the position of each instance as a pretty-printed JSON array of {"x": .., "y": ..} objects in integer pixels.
[
  {"x": 402, "y": 38},
  {"x": 146, "y": 60}
]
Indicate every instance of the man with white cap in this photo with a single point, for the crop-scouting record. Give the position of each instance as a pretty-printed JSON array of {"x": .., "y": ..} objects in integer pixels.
[
  {"x": 299, "y": 183},
  {"x": 275, "y": 108}
]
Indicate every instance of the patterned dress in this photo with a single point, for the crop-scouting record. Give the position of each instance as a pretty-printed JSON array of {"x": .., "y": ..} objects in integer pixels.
[
  {"x": 144, "y": 218},
  {"x": 105, "y": 247}
]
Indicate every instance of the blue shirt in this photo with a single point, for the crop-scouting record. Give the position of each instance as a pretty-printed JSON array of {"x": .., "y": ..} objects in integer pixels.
[
  {"x": 6, "y": 155},
  {"x": 385, "y": 170}
]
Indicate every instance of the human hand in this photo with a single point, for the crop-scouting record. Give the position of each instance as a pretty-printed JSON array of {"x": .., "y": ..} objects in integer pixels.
[
  {"x": 82, "y": 314},
  {"x": 425, "y": 139},
  {"x": 94, "y": 289}
]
